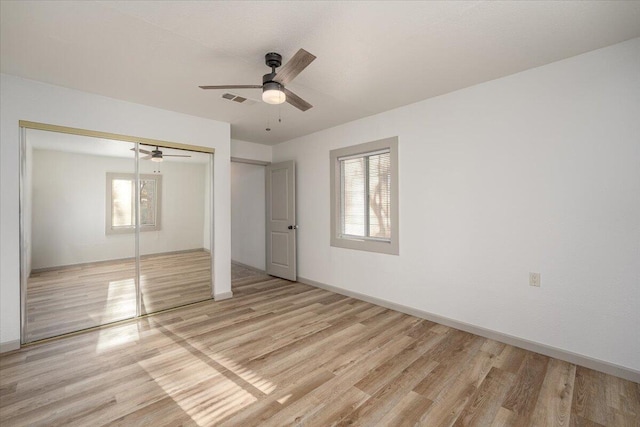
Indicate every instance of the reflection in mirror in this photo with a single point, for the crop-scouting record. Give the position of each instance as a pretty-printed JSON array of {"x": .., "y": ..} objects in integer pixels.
[
  {"x": 78, "y": 276},
  {"x": 175, "y": 244},
  {"x": 105, "y": 240}
]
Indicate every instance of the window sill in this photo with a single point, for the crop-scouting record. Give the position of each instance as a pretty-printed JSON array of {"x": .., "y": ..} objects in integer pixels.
[{"x": 376, "y": 246}]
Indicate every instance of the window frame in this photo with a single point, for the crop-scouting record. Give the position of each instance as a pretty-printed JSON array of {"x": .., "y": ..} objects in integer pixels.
[
  {"x": 370, "y": 244},
  {"x": 111, "y": 176}
]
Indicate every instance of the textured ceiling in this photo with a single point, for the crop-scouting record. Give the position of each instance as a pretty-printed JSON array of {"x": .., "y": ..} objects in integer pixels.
[{"x": 372, "y": 56}]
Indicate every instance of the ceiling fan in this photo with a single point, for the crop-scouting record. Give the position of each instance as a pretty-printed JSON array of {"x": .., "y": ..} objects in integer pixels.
[
  {"x": 156, "y": 155},
  {"x": 273, "y": 83}
]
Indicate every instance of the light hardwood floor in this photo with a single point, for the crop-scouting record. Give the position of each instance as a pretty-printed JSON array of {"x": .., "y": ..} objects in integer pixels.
[
  {"x": 282, "y": 353},
  {"x": 73, "y": 298}
]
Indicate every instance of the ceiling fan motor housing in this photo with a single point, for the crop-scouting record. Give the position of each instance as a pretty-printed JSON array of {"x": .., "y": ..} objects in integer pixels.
[
  {"x": 268, "y": 78},
  {"x": 273, "y": 60}
]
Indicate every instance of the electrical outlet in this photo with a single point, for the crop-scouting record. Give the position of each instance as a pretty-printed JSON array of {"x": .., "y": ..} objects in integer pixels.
[{"x": 534, "y": 279}]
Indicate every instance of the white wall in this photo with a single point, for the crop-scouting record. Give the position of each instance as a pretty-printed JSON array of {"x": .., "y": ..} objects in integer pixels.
[
  {"x": 535, "y": 172},
  {"x": 69, "y": 209},
  {"x": 22, "y": 99},
  {"x": 248, "y": 214},
  {"x": 251, "y": 151},
  {"x": 248, "y": 203}
]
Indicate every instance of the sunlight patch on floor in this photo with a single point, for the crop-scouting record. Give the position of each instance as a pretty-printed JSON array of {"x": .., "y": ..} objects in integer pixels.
[
  {"x": 247, "y": 375},
  {"x": 206, "y": 410},
  {"x": 119, "y": 304},
  {"x": 283, "y": 399},
  {"x": 206, "y": 392},
  {"x": 116, "y": 336}
]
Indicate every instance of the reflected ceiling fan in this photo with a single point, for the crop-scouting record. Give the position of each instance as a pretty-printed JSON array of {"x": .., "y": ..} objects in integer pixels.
[
  {"x": 273, "y": 83},
  {"x": 156, "y": 155}
]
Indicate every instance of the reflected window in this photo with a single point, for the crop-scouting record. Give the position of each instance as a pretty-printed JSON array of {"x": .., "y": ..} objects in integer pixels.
[{"x": 121, "y": 208}]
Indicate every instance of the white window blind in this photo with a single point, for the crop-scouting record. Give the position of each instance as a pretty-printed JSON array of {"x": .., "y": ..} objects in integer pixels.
[{"x": 365, "y": 198}]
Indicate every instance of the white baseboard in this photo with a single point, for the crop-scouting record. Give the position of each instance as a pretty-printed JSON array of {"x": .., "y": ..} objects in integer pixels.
[
  {"x": 9, "y": 346},
  {"x": 222, "y": 296},
  {"x": 558, "y": 353}
]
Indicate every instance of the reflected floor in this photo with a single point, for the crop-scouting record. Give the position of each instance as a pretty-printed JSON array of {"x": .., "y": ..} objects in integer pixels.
[{"x": 73, "y": 298}]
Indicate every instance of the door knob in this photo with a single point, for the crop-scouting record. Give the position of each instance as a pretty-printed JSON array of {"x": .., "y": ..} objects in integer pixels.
[{"x": 292, "y": 227}]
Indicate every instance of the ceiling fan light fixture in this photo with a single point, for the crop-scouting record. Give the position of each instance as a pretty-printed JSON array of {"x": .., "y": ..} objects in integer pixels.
[
  {"x": 156, "y": 156},
  {"x": 272, "y": 93}
]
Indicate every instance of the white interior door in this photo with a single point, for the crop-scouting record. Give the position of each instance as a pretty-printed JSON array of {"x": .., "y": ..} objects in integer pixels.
[{"x": 281, "y": 220}]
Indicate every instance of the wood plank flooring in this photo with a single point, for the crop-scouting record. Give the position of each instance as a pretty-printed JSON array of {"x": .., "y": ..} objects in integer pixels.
[
  {"x": 282, "y": 353},
  {"x": 73, "y": 298}
]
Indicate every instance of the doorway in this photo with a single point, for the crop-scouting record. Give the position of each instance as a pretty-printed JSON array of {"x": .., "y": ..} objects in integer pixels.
[
  {"x": 247, "y": 219},
  {"x": 112, "y": 227},
  {"x": 263, "y": 225}
]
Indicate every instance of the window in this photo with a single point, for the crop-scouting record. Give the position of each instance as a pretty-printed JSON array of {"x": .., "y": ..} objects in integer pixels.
[
  {"x": 121, "y": 207},
  {"x": 364, "y": 196}
]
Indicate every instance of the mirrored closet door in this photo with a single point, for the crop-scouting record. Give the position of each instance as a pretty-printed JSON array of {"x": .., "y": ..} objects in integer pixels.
[
  {"x": 175, "y": 247},
  {"x": 110, "y": 230}
]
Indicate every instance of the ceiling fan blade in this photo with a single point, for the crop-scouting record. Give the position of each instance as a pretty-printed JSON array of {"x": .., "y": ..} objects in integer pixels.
[
  {"x": 140, "y": 150},
  {"x": 291, "y": 69},
  {"x": 296, "y": 101},
  {"x": 145, "y": 157},
  {"x": 232, "y": 87},
  {"x": 174, "y": 155}
]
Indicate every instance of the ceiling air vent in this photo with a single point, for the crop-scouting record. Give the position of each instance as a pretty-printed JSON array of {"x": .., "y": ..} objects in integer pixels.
[{"x": 237, "y": 98}]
